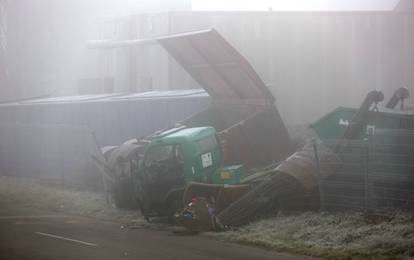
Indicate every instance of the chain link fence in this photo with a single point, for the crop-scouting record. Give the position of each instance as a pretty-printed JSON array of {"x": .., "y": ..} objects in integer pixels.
[{"x": 375, "y": 174}]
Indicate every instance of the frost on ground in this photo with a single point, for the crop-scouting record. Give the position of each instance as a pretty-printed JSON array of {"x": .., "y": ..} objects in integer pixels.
[
  {"x": 338, "y": 236},
  {"x": 33, "y": 195}
]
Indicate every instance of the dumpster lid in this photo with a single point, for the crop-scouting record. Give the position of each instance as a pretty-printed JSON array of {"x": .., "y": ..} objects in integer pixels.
[{"x": 218, "y": 67}]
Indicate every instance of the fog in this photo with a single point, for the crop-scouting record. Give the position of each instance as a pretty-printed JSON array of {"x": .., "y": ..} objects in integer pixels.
[
  {"x": 295, "y": 5},
  {"x": 304, "y": 57},
  {"x": 261, "y": 97}
]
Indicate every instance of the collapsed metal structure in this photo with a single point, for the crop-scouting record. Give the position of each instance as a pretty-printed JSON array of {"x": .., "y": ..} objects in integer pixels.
[
  {"x": 242, "y": 108},
  {"x": 252, "y": 133},
  {"x": 302, "y": 174}
]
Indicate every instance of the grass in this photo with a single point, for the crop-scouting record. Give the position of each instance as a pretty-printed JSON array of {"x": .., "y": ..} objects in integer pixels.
[
  {"x": 17, "y": 194},
  {"x": 336, "y": 236}
]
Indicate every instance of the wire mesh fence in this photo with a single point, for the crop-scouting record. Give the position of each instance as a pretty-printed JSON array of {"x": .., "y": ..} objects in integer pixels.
[{"x": 375, "y": 174}]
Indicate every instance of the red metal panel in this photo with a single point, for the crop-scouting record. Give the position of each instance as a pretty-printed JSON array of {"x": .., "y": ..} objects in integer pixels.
[
  {"x": 219, "y": 68},
  {"x": 259, "y": 140}
]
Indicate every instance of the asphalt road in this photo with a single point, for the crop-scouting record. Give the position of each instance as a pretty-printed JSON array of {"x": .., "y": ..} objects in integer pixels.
[{"x": 67, "y": 237}]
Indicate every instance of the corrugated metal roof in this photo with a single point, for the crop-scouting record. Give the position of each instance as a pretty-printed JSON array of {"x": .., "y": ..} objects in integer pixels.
[
  {"x": 162, "y": 94},
  {"x": 108, "y": 97},
  {"x": 8, "y": 101},
  {"x": 66, "y": 99}
]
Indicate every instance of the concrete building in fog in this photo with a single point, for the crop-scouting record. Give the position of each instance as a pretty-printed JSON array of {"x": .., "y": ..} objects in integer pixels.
[{"x": 46, "y": 52}]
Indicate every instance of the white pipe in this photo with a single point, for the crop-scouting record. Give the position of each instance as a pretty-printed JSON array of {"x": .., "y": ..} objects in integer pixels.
[{"x": 109, "y": 44}]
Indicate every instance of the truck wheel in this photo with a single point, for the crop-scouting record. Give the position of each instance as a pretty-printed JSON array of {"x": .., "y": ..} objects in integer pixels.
[{"x": 123, "y": 161}]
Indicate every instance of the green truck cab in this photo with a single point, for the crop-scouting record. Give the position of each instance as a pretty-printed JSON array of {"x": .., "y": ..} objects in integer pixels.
[{"x": 170, "y": 161}]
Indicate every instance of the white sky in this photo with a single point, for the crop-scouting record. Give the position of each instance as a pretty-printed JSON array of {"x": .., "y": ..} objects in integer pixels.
[{"x": 293, "y": 5}]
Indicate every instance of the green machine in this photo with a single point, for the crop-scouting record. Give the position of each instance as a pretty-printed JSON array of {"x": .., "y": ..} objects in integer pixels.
[
  {"x": 386, "y": 133},
  {"x": 193, "y": 153},
  {"x": 376, "y": 148},
  {"x": 152, "y": 174},
  {"x": 368, "y": 120},
  {"x": 334, "y": 124},
  {"x": 171, "y": 160}
]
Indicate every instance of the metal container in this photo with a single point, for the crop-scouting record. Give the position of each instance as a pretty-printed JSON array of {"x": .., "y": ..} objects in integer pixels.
[{"x": 333, "y": 125}]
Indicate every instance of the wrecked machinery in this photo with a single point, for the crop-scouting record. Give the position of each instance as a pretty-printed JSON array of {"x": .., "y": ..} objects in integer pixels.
[
  {"x": 235, "y": 159},
  {"x": 240, "y": 131},
  {"x": 353, "y": 123},
  {"x": 379, "y": 140},
  {"x": 300, "y": 174}
]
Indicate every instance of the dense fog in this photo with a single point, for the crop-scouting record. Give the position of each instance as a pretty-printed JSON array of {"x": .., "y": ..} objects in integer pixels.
[{"x": 312, "y": 62}]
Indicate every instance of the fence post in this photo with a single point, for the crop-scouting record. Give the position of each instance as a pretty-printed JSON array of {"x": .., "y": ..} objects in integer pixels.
[
  {"x": 318, "y": 170},
  {"x": 61, "y": 153},
  {"x": 366, "y": 172}
]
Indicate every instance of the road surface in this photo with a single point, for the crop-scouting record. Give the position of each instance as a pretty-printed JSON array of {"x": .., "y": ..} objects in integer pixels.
[{"x": 67, "y": 237}]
